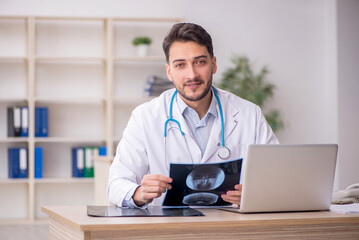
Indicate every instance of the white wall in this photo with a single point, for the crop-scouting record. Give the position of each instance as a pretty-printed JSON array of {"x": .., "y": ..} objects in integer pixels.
[
  {"x": 296, "y": 39},
  {"x": 100, "y": 8},
  {"x": 289, "y": 37},
  {"x": 348, "y": 91}
]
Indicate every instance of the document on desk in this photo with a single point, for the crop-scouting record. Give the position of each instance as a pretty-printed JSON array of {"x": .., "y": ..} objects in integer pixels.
[
  {"x": 151, "y": 211},
  {"x": 201, "y": 185},
  {"x": 345, "y": 208}
]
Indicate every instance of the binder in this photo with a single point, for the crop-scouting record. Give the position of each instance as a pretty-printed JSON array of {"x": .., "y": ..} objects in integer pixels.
[
  {"x": 23, "y": 163},
  {"x": 13, "y": 162},
  {"x": 10, "y": 122},
  {"x": 37, "y": 122},
  {"x": 17, "y": 163},
  {"x": 38, "y": 162},
  {"x": 78, "y": 162},
  {"x": 44, "y": 122},
  {"x": 88, "y": 159},
  {"x": 41, "y": 122},
  {"x": 24, "y": 121},
  {"x": 102, "y": 151},
  {"x": 17, "y": 121}
]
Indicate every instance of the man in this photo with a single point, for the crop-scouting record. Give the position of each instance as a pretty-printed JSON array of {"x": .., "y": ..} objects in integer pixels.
[{"x": 139, "y": 173}]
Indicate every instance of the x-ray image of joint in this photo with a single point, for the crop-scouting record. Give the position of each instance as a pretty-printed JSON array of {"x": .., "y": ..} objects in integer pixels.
[
  {"x": 200, "y": 199},
  {"x": 204, "y": 178}
]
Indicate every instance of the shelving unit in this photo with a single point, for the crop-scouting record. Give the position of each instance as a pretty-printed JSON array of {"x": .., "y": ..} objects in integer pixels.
[{"x": 85, "y": 70}]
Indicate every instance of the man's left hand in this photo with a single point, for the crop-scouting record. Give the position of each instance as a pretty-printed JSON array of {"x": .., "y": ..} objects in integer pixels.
[{"x": 234, "y": 196}]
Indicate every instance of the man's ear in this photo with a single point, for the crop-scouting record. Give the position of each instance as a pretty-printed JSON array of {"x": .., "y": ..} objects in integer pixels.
[
  {"x": 214, "y": 62},
  {"x": 168, "y": 72}
]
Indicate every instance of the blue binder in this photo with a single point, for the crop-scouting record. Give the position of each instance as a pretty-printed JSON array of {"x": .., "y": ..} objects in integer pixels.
[
  {"x": 102, "y": 151},
  {"x": 44, "y": 122},
  {"x": 78, "y": 162},
  {"x": 13, "y": 162},
  {"x": 41, "y": 122},
  {"x": 37, "y": 122},
  {"x": 38, "y": 162},
  {"x": 17, "y": 163}
]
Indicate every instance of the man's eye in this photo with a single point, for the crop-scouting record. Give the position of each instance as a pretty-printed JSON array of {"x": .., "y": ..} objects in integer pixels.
[
  {"x": 179, "y": 65},
  {"x": 201, "y": 62}
]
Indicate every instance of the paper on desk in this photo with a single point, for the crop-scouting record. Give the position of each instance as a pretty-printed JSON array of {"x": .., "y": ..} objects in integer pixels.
[{"x": 345, "y": 208}]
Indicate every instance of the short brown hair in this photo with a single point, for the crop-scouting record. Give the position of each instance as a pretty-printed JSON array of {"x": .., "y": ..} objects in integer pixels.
[{"x": 184, "y": 32}]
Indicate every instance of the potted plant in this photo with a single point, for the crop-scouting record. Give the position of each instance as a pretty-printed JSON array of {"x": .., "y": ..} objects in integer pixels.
[
  {"x": 242, "y": 81},
  {"x": 141, "y": 43}
]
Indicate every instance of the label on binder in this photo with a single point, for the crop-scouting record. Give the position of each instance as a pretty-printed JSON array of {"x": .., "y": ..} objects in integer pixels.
[
  {"x": 88, "y": 158},
  {"x": 80, "y": 159},
  {"x": 23, "y": 159}
]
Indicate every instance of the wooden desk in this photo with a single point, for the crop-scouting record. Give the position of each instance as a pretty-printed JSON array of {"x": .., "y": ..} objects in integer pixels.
[{"x": 72, "y": 222}]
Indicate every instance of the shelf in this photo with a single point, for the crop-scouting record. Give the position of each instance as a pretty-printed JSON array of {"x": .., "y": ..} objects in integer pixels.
[
  {"x": 70, "y": 140},
  {"x": 70, "y": 18},
  {"x": 14, "y": 180},
  {"x": 55, "y": 59},
  {"x": 170, "y": 20},
  {"x": 12, "y": 59},
  {"x": 14, "y": 140},
  {"x": 131, "y": 101},
  {"x": 64, "y": 180},
  {"x": 80, "y": 101},
  {"x": 13, "y": 99},
  {"x": 18, "y": 221},
  {"x": 159, "y": 59}
]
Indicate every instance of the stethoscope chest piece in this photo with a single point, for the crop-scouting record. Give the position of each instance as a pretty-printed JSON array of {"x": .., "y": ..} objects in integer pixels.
[{"x": 223, "y": 152}]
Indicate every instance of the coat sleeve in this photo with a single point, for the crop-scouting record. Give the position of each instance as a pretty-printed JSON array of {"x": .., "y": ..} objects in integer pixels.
[{"x": 130, "y": 163}]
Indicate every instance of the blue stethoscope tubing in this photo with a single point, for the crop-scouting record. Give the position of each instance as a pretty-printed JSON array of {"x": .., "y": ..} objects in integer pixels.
[{"x": 223, "y": 151}]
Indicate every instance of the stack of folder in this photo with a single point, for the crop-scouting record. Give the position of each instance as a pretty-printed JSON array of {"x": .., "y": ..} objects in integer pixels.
[
  {"x": 83, "y": 160},
  {"x": 156, "y": 85},
  {"x": 18, "y": 121},
  {"x": 18, "y": 162}
]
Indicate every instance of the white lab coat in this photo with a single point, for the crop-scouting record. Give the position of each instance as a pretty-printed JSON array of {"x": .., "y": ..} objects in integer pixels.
[{"x": 141, "y": 150}]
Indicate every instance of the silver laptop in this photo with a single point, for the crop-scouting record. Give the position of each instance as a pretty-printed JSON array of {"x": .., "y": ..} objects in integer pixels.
[{"x": 281, "y": 178}]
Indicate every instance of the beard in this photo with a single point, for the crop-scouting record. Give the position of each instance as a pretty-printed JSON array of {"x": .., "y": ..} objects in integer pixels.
[{"x": 201, "y": 95}]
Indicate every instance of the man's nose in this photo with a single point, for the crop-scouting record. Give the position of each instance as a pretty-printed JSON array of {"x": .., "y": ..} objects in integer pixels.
[{"x": 191, "y": 72}]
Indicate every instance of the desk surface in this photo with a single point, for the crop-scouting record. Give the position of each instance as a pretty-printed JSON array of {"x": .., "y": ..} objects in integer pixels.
[{"x": 76, "y": 217}]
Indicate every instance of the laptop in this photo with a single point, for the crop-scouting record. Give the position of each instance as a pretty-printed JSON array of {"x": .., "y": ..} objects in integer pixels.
[{"x": 282, "y": 178}]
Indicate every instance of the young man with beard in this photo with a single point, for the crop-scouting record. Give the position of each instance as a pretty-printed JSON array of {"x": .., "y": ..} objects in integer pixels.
[{"x": 153, "y": 136}]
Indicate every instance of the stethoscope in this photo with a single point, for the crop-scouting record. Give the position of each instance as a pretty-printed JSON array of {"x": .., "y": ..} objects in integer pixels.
[{"x": 223, "y": 151}]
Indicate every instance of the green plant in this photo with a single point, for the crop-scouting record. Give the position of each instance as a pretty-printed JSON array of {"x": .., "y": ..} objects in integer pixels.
[
  {"x": 141, "y": 40},
  {"x": 242, "y": 81}
]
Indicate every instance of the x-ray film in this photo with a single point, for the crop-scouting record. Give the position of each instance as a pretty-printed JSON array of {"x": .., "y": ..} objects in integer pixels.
[{"x": 202, "y": 184}]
